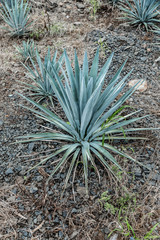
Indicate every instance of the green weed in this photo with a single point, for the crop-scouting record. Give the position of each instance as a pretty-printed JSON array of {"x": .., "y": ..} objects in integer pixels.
[{"x": 95, "y": 5}]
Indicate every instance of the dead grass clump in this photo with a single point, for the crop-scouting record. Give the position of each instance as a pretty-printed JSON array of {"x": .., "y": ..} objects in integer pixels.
[{"x": 9, "y": 215}]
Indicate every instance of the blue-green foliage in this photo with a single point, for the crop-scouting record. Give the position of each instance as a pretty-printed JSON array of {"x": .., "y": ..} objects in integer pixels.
[
  {"x": 16, "y": 14},
  {"x": 27, "y": 51},
  {"x": 141, "y": 12},
  {"x": 86, "y": 107},
  {"x": 8, "y": 2},
  {"x": 38, "y": 73}
]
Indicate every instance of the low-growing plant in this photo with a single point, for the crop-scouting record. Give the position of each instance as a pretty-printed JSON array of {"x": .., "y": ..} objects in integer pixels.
[
  {"x": 95, "y": 5},
  {"x": 130, "y": 232},
  {"x": 141, "y": 12},
  {"x": 37, "y": 34},
  {"x": 103, "y": 46},
  {"x": 27, "y": 51},
  {"x": 122, "y": 204},
  {"x": 56, "y": 29},
  {"x": 86, "y": 107},
  {"x": 16, "y": 16},
  {"x": 41, "y": 87}
]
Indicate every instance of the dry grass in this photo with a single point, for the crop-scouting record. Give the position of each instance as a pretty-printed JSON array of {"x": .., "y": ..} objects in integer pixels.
[{"x": 9, "y": 215}]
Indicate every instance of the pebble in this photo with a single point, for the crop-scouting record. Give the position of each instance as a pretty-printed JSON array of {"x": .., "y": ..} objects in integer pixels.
[
  {"x": 1, "y": 122},
  {"x": 64, "y": 214},
  {"x": 9, "y": 171},
  {"x": 30, "y": 147},
  {"x": 38, "y": 212},
  {"x": 81, "y": 190},
  {"x": 74, "y": 210},
  {"x": 80, "y": 5},
  {"x": 60, "y": 233},
  {"x": 56, "y": 220},
  {"x": 142, "y": 87},
  {"x": 33, "y": 189},
  {"x": 115, "y": 237},
  {"x": 39, "y": 178}
]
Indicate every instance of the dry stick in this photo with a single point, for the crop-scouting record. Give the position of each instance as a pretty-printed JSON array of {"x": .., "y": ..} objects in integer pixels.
[{"x": 74, "y": 174}]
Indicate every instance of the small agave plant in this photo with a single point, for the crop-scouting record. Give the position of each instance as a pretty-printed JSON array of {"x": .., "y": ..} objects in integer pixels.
[
  {"x": 41, "y": 88},
  {"x": 27, "y": 51},
  {"x": 87, "y": 103},
  {"x": 16, "y": 14},
  {"x": 141, "y": 12}
]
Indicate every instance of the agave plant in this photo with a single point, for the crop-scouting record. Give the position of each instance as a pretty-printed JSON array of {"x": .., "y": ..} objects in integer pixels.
[
  {"x": 141, "y": 12},
  {"x": 27, "y": 51},
  {"x": 41, "y": 87},
  {"x": 8, "y": 2},
  {"x": 87, "y": 107},
  {"x": 16, "y": 14}
]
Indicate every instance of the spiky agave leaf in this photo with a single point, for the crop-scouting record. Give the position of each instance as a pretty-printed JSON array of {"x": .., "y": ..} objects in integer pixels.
[
  {"x": 87, "y": 107},
  {"x": 41, "y": 87},
  {"x": 141, "y": 12},
  {"x": 16, "y": 15}
]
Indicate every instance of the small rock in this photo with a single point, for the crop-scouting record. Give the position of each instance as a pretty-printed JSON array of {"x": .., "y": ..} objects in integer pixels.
[
  {"x": 106, "y": 230},
  {"x": 156, "y": 177},
  {"x": 18, "y": 168},
  {"x": 33, "y": 189},
  {"x": 64, "y": 214},
  {"x": 74, "y": 210},
  {"x": 141, "y": 88},
  {"x": 138, "y": 172},
  {"x": 39, "y": 178},
  {"x": 115, "y": 237},
  {"x": 30, "y": 147},
  {"x": 11, "y": 199},
  {"x": 80, "y": 5},
  {"x": 81, "y": 190},
  {"x": 35, "y": 221},
  {"x": 38, "y": 212},
  {"x": 158, "y": 59},
  {"x": 143, "y": 59},
  {"x": 25, "y": 233},
  {"x": 21, "y": 207},
  {"x": 14, "y": 190},
  {"x": 62, "y": 175},
  {"x": 9, "y": 171},
  {"x": 60, "y": 234},
  {"x": 74, "y": 234},
  {"x": 50, "y": 193},
  {"x": 110, "y": 27},
  {"x": 60, "y": 4},
  {"x": 1, "y": 122},
  {"x": 77, "y": 24},
  {"x": 56, "y": 220}
]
